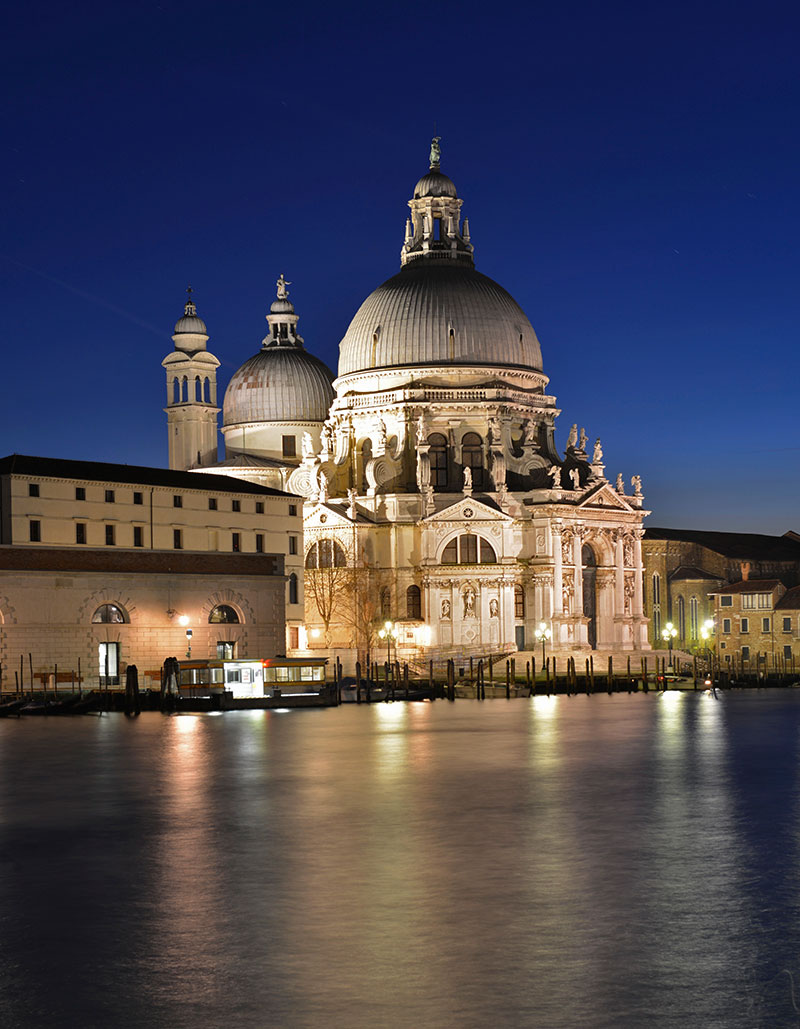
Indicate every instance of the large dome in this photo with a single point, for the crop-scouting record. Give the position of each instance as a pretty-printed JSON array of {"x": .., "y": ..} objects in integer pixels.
[
  {"x": 279, "y": 384},
  {"x": 439, "y": 312}
]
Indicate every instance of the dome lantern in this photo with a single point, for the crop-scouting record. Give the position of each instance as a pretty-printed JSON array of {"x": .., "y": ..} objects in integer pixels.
[
  {"x": 434, "y": 229},
  {"x": 190, "y": 332}
]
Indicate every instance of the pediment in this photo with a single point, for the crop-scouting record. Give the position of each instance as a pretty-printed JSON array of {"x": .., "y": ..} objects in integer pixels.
[
  {"x": 325, "y": 516},
  {"x": 468, "y": 510},
  {"x": 605, "y": 498}
]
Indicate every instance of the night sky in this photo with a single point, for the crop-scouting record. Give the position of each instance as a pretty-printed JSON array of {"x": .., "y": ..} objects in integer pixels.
[{"x": 630, "y": 173}]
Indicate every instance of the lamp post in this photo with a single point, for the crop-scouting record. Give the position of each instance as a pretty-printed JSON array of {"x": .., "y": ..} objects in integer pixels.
[
  {"x": 543, "y": 634},
  {"x": 388, "y": 633},
  {"x": 707, "y": 635},
  {"x": 189, "y": 643},
  {"x": 668, "y": 634}
]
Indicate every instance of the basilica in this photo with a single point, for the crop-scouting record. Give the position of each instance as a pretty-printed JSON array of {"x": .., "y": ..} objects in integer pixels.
[{"x": 428, "y": 465}]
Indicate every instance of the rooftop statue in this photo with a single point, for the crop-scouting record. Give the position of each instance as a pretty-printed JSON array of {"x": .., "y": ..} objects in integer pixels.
[
  {"x": 283, "y": 292},
  {"x": 436, "y": 153}
]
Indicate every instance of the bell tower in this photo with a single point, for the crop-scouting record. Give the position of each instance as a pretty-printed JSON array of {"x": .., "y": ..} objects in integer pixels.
[{"x": 191, "y": 393}]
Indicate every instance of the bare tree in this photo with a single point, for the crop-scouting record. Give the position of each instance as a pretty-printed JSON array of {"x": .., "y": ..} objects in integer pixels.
[
  {"x": 327, "y": 580},
  {"x": 362, "y": 608}
]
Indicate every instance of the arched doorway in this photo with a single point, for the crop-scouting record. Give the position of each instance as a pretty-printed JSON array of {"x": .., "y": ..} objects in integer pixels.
[{"x": 589, "y": 562}]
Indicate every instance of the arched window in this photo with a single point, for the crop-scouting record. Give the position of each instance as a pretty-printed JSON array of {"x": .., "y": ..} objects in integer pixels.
[
  {"x": 198, "y": 388},
  {"x": 386, "y": 602},
  {"x": 681, "y": 619},
  {"x": 185, "y": 390},
  {"x": 413, "y": 602},
  {"x": 519, "y": 602},
  {"x": 207, "y": 390},
  {"x": 694, "y": 618},
  {"x": 292, "y": 588},
  {"x": 326, "y": 554},
  {"x": 469, "y": 550},
  {"x": 109, "y": 613},
  {"x": 438, "y": 457},
  {"x": 657, "y": 608},
  {"x": 223, "y": 614},
  {"x": 176, "y": 390},
  {"x": 472, "y": 457}
]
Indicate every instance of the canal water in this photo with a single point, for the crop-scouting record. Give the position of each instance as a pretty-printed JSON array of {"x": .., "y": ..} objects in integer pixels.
[{"x": 625, "y": 861}]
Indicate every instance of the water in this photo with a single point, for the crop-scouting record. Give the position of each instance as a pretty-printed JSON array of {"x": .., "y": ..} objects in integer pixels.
[{"x": 572, "y": 862}]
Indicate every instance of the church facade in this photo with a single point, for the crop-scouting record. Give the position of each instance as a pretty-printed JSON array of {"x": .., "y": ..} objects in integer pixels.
[{"x": 429, "y": 466}]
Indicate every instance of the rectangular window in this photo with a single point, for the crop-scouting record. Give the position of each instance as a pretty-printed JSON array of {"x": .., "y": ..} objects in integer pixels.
[
  {"x": 212, "y": 503},
  {"x": 289, "y": 446},
  {"x": 35, "y": 529},
  {"x": 787, "y": 625},
  {"x": 138, "y": 536},
  {"x": 108, "y": 660},
  {"x": 745, "y": 625},
  {"x": 726, "y": 601},
  {"x": 236, "y": 542},
  {"x": 726, "y": 625},
  {"x": 787, "y": 653},
  {"x": 109, "y": 535},
  {"x": 292, "y": 509},
  {"x": 109, "y": 496},
  {"x": 80, "y": 532},
  {"x": 763, "y": 599},
  {"x": 177, "y": 500},
  {"x": 138, "y": 498},
  {"x": 259, "y": 507},
  {"x": 745, "y": 653},
  {"x": 80, "y": 493},
  {"x": 748, "y": 600},
  {"x": 177, "y": 539},
  {"x": 225, "y": 649},
  {"x": 33, "y": 489},
  {"x": 765, "y": 624},
  {"x": 469, "y": 550},
  {"x": 292, "y": 544},
  {"x": 294, "y": 637},
  {"x": 259, "y": 542},
  {"x": 236, "y": 505}
]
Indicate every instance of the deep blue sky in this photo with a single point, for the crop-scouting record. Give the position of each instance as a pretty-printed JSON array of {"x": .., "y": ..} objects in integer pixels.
[{"x": 630, "y": 172}]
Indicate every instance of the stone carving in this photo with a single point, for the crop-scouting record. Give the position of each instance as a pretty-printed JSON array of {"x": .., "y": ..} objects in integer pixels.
[
  {"x": 494, "y": 431},
  {"x": 575, "y": 475},
  {"x": 468, "y": 512},
  {"x": 493, "y": 608},
  {"x": 540, "y": 543},
  {"x": 627, "y": 551},
  {"x": 572, "y": 439},
  {"x": 629, "y": 590},
  {"x": 468, "y": 480},
  {"x": 307, "y": 445},
  {"x": 436, "y": 151},
  {"x": 583, "y": 441},
  {"x": 555, "y": 475},
  {"x": 469, "y": 602},
  {"x": 597, "y": 455},
  {"x": 327, "y": 439},
  {"x": 566, "y": 547},
  {"x": 322, "y": 495},
  {"x": 566, "y": 598},
  {"x": 421, "y": 430},
  {"x": 620, "y": 484},
  {"x": 445, "y": 608},
  {"x": 283, "y": 292},
  {"x": 351, "y": 500},
  {"x": 423, "y": 469},
  {"x": 382, "y": 437},
  {"x": 636, "y": 482}
]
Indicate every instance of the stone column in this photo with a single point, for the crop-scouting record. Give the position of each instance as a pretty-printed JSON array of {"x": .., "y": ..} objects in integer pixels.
[
  {"x": 619, "y": 572},
  {"x": 577, "y": 545},
  {"x": 638, "y": 600},
  {"x": 558, "y": 572}
]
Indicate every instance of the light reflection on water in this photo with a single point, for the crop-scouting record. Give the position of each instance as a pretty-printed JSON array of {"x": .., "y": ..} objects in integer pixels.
[{"x": 585, "y": 861}]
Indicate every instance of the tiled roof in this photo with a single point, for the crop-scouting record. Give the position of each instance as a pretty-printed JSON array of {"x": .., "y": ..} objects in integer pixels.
[
  {"x": 749, "y": 586},
  {"x": 692, "y": 572},
  {"x": 744, "y": 545},
  {"x": 790, "y": 599},
  {"x": 100, "y": 471}
]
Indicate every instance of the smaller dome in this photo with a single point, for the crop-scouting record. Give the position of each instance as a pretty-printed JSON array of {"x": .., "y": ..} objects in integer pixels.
[
  {"x": 281, "y": 306},
  {"x": 279, "y": 384},
  {"x": 190, "y": 323},
  {"x": 435, "y": 184}
]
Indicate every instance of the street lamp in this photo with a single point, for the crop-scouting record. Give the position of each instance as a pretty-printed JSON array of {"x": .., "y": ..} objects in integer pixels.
[
  {"x": 707, "y": 635},
  {"x": 668, "y": 634},
  {"x": 543, "y": 634},
  {"x": 388, "y": 633},
  {"x": 189, "y": 642}
]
